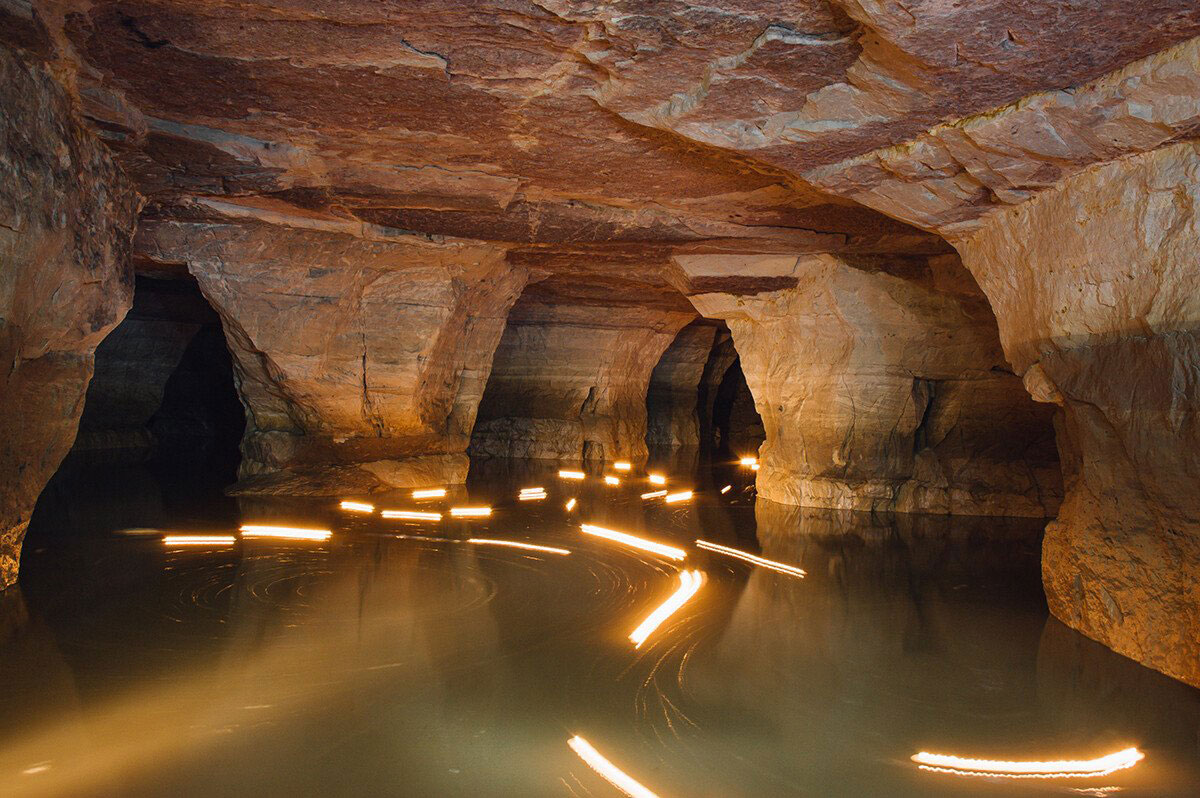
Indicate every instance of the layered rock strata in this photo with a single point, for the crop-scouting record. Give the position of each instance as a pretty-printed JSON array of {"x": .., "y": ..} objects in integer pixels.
[
  {"x": 360, "y": 361},
  {"x": 569, "y": 381},
  {"x": 66, "y": 216},
  {"x": 881, "y": 386}
]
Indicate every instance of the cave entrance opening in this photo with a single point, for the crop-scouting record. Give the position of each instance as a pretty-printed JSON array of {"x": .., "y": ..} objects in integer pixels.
[{"x": 161, "y": 422}]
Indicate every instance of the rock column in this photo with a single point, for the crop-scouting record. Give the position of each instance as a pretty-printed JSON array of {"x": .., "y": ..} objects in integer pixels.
[{"x": 1094, "y": 285}]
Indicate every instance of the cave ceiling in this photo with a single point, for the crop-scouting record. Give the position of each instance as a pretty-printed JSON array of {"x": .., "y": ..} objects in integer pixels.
[{"x": 590, "y": 139}]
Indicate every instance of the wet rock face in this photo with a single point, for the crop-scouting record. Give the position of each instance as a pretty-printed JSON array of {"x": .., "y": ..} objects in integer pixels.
[
  {"x": 569, "y": 380},
  {"x": 881, "y": 387},
  {"x": 1093, "y": 286},
  {"x": 366, "y": 356},
  {"x": 66, "y": 217}
]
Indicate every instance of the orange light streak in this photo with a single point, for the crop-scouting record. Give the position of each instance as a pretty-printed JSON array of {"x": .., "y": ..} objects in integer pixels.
[
  {"x": 689, "y": 583},
  {"x": 656, "y": 479},
  {"x": 357, "y": 507},
  {"x": 748, "y": 461},
  {"x": 517, "y": 545},
  {"x": 654, "y": 494},
  {"x": 622, "y": 465},
  {"x": 681, "y": 496},
  {"x": 284, "y": 532},
  {"x": 531, "y": 494},
  {"x": 1058, "y": 769},
  {"x": 661, "y": 549},
  {"x": 754, "y": 467},
  {"x": 611, "y": 480},
  {"x": 429, "y": 493},
  {"x": 470, "y": 512},
  {"x": 199, "y": 540},
  {"x": 571, "y": 504},
  {"x": 607, "y": 770},
  {"x": 726, "y": 489},
  {"x": 571, "y": 474},
  {"x": 782, "y": 568},
  {"x": 411, "y": 515}
]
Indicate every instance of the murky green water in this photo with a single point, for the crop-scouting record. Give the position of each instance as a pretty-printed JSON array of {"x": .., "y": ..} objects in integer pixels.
[{"x": 395, "y": 659}]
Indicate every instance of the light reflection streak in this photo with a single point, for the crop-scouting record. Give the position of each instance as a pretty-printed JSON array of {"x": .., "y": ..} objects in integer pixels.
[
  {"x": 1057, "y": 769},
  {"x": 656, "y": 479},
  {"x": 284, "y": 532},
  {"x": 754, "y": 467},
  {"x": 689, "y": 583},
  {"x": 609, "y": 479},
  {"x": 199, "y": 540},
  {"x": 681, "y": 496},
  {"x": 470, "y": 512},
  {"x": 412, "y": 515},
  {"x": 571, "y": 474},
  {"x": 429, "y": 493},
  {"x": 661, "y": 549},
  {"x": 748, "y": 461},
  {"x": 516, "y": 544},
  {"x": 782, "y": 568},
  {"x": 726, "y": 489},
  {"x": 357, "y": 507},
  {"x": 654, "y": 494},
  {"x": 531, "y": 494},
  {"x": 610, "y": 772},
  {"x": 622, "y": 465},
  {"x": 571, "y": 504}
]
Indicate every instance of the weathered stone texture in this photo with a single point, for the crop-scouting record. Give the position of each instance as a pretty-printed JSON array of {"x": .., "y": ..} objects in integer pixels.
[
  {"x": 570, "y": 381},
  {"x": 1094, "y": 287},
  {"x": 672, "y": 413},
  {"x": 66, "y": 216},
  {"x": 348, "y": 352},
  {"x": 881, "y": 391}
]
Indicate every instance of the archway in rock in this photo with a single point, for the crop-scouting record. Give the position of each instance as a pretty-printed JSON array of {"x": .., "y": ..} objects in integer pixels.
[{"x": 737, "y": 428}]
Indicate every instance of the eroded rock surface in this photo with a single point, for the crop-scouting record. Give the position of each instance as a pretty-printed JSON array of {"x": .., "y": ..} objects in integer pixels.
[
  {"x": 881, "y": 386},
  {"x": 365, "y": 356},
  {"x": 1093, "y": 283},
  {"x": 673, "y": 397},
  {"x": 66, "y": 217},
  {"x": 570, "y": 378}
]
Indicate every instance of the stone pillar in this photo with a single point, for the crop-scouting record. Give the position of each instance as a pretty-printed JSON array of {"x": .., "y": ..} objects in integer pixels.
[
  {"x": 66, "y": 216},
  {"x": 361, "y": 362},
  {"x": 1095, "y": 287},
  {"x": 881, "y": 385},
  {"x": 570, "y": 381}
]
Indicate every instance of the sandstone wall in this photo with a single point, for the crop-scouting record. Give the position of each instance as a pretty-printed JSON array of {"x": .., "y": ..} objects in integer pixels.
[
  {"x": 1094, "y": 284},
  {"x": 570, "y": 381},
  {"x": 878, "y": 390},
  {"x": 672, "y": 415},
  {"x": 66, "y": 216},
  {"x": 360, "y": 361}
]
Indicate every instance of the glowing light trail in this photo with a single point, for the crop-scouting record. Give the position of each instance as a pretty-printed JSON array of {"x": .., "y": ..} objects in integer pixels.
[
  {"x": 610, "y": 772},
  {"x": 656, "y": 479},
  {"x": 571, "y": 504},
  {"x": 411, "y": 515},
  {"x": 470, "y": 512},
  {"x": 516, "y": 544},
  {"x": 782, "y": 568},
  {"x": 689, "y": 583},
  {"x": 748, "y": 461},
  {"x": 661, "y": 549},
  {"x": 726, "y": 489},
  {"x": 654, "y": 494},
  {"x": 681, "y": 496},
  {"x": 571, "y": 475},
  {"x": 357, "y": 507},
  {"x": 284, "y": 532},
  {"x": 754, "y": 466},
  {"x": 611, "y": 480},
  {"x": 1058, "y": 769},
  {"x": 531, "y": 494},
  {"x": 621, "y": 465},
  {"x": 199, "y": 540},
  {"x": 429, "y": 493}
]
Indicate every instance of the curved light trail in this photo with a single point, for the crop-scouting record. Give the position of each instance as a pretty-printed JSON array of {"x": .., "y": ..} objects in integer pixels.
[
  {"x": 1056, "y": 769},
  {"x": 782, "y": 568},
  {"x": 516, "y": 544},
  {"x": 570, "y": 505},
  {"x": 610, "y": 772},
  {"x": 661, "y": 549},
  {"x": 689, "y": 583}
]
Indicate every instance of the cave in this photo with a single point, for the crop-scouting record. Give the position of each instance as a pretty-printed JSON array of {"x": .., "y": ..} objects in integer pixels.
[{"x": 517, "y": 398}]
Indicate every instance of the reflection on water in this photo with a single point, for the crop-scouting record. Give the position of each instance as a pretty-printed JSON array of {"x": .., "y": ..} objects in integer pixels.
[{"x": 493, "y": 655}]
